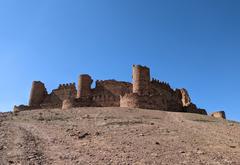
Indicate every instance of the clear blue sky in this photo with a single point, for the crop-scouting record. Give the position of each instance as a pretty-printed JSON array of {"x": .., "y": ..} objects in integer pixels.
[{"x": 188, "y": 43}]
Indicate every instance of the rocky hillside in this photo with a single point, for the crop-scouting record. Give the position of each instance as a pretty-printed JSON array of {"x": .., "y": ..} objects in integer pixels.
[{"x": 116, "y": 136}]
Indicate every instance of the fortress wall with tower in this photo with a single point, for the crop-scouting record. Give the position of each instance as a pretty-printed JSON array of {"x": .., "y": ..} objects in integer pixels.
[
  {"x": 107, "y": 93},
  {"x": 141, "y": 93}
]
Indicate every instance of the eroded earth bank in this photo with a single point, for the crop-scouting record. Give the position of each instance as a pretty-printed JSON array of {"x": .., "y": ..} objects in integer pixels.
[{"x": 116, "y": 136}]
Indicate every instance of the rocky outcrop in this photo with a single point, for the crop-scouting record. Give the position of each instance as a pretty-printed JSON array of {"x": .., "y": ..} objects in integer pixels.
[
  {"x": 186, "y": 100},
  {"x": 24, "y": 108},
  {"x": 219, "y": 114}
]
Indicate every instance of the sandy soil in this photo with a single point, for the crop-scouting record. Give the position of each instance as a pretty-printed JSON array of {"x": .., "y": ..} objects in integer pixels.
[{"x": 117, "y": 136}]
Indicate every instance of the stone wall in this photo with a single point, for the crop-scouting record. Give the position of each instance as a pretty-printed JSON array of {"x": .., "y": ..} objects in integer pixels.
[
  {"x": 66, "y": 91},
  {"x": 52, "y": 101},
  {"x": 23, "y": 108},
  {"x": 107, "y": 93},
  {"x": 106, "y": 101},
  {"x": 83, "y": 102},
  {"x": 172, "y": 97},
  {"x": 135, "y": 100},
  {"x": 57, "y": 96},
  {"x": 112, "y": 87}
]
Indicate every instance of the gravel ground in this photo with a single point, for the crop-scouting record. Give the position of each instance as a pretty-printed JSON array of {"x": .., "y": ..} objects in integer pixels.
[{"x": 117, "y": 136}]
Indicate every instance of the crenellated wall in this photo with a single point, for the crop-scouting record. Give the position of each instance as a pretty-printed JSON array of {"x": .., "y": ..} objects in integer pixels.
[
  {"x": 57, "y": 96},
  {"x": 65, "y": 91},
  {"x": 173, "y": 98},
  {"x": 160, "y": 86}
]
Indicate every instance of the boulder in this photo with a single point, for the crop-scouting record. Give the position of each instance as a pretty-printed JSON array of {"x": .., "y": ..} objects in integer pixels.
[
  {"x": 21, "y": 108},
  {"x": 202, "y": 111},
  {"x": 191, "y": 108},
  {"x": 67, "y": 104},
  {"x": 219, "y": 114}
]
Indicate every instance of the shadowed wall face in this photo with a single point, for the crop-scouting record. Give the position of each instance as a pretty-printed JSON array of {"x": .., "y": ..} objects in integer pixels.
[
  {"x": 84, "y": 86},
  {"x": 141, "y": 80},
  {"x": 38, "y": 93}
]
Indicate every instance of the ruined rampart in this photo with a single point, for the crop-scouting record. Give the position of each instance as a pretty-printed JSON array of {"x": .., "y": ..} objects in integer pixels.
[
  {"x": 141, "y": 93},
  {"x": 134, "y": 100}
]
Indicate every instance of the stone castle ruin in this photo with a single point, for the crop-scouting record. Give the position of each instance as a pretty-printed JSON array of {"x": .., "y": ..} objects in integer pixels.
[{"x": 143, "y": 92}]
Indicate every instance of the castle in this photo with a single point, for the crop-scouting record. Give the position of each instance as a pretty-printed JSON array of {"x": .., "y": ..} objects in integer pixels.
[{"x": 143, "y": 92}]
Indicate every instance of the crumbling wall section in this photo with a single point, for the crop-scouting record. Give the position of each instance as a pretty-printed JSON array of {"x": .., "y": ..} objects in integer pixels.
[
  {"x": 107, "y": 93},
  {"x": 173, "y": 99},
  {"x": 135, "y": 100},
  {"x": 57, "y": 96},
  {"x": 23, "y": 108},
  {"x": 83, "y": 102},
  {"x": 66, "y": 91},
  {"x": 106, "y": 101},
  {"x": 112, "y": 87}
]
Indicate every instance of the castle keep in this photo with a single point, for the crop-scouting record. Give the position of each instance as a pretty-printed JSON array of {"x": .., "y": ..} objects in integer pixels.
[{"x": 143, "y": 92}]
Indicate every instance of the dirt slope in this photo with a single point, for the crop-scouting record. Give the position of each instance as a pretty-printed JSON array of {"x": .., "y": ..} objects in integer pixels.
[{"x": 117, "y": 136}]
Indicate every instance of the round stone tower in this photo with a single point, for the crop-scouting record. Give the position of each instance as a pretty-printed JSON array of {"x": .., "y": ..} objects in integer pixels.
[
  {"x": 84, "y": 86},
  {"x": 141, "y": 79},
  {"x": 38, "y": 94}
]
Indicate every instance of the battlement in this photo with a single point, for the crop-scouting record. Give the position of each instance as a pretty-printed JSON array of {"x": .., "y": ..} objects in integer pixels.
[
  {"x": 100, "y": 82},
  {"x": 141, "y": 67},
  {"x": 111, "y": 81},
  {"x": 162, "y": 84},
  {"x": 67, "y": 85}
]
